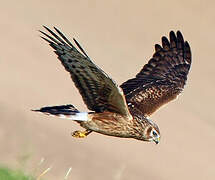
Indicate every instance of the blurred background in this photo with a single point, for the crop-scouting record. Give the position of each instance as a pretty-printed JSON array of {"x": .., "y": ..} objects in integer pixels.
[{"x": 119, "y": 36}]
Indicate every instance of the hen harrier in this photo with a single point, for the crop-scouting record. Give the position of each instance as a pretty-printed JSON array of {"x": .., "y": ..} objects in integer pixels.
[{"x": 122, "y": 111}]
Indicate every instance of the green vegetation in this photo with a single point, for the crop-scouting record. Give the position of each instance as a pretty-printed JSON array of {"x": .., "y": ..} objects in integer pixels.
[{"x": 9, "y": 174}]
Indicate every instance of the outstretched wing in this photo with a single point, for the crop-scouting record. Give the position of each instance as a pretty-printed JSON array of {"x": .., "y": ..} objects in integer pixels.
[
  {"x": 162, "y": 79},
  {"x": 99, "y": 92}
]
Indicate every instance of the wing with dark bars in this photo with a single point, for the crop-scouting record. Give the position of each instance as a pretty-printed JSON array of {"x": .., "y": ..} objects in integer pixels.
[
  {"x": 162, "y": 78},
  {"x": 98, "y": 90}
]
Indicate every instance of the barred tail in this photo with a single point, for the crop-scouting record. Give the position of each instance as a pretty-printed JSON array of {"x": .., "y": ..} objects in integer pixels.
[{"x": 64, "y": 111}]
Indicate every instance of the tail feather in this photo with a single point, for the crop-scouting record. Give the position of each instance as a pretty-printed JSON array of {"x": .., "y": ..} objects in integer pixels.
[{"x": 64, "y": 111}]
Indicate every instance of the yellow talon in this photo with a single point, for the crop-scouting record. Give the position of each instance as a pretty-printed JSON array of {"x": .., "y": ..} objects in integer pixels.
[{"x": 81, "y": 134}]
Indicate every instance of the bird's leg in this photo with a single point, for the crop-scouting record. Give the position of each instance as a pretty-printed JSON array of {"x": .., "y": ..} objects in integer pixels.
[{"x": 81, "y": 134}]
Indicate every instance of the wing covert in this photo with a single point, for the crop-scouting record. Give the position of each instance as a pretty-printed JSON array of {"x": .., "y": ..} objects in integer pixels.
[
  {"x": 99, "y": 92},
  {"x": 162, "y": 78}
]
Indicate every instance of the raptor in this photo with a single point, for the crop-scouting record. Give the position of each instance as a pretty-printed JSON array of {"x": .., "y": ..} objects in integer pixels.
[{"x": 121, "y": 110}]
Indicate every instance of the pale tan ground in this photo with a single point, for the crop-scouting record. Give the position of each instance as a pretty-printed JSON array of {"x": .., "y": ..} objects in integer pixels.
[{"x": 119, "y": 36}]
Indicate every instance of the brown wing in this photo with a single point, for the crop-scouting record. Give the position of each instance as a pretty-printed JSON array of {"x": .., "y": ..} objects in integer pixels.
[
  {"x": 99, "y": 92},
  {"x": 162, "y": 79}
]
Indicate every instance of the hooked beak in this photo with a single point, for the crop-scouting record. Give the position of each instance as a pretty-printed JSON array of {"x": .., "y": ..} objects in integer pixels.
[{"x": 157, "y": 140}]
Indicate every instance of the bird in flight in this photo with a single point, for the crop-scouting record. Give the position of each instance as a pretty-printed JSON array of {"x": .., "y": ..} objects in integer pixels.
[{"x": 121, "y": 111}]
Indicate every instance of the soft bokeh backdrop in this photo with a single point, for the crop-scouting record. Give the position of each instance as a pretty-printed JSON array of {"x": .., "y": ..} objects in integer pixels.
[{"x": 119, "y": 35}]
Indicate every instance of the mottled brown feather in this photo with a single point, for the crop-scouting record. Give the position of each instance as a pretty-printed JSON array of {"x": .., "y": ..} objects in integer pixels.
[
  {"x": 99, "y": 92},
  {"x": 162, "y": 78}
]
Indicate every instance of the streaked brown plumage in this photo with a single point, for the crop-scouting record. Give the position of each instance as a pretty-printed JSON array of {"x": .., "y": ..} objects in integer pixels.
[{"x": 122, "y": 111}]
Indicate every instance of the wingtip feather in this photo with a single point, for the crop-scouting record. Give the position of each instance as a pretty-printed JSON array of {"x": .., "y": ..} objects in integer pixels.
[{"x": 165, "y": 43}]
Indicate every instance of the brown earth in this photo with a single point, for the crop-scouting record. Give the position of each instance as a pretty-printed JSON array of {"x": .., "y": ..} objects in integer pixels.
[{"x": 119, "y": 36}]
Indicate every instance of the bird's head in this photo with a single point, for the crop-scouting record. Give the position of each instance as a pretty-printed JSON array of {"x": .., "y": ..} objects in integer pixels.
[
  {"x": 151, "y": 132},
  {"x": 148, "y": 130}
]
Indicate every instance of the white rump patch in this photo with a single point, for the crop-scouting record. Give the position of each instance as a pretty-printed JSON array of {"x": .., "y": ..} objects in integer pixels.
[{"x": 82, "y": 116}]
